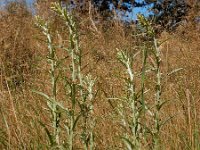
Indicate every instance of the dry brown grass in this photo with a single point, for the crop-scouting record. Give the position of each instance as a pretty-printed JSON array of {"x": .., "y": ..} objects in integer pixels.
[
  {"x": 21, "y": 110},
  {"x": 17, "y": 45}
]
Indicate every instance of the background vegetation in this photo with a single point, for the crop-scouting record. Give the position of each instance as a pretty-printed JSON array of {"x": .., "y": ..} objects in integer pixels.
[{"x": 72, "y": 81}]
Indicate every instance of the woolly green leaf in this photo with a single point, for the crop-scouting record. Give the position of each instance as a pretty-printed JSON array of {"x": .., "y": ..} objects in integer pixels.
[
  {"x": 160, "y": 43},
  {"x": 161, "y": 105},
  {"x": 128, "y": 143},
  {"x": 174, "y": 71},
  {"x": 167, "y": 120},
  {"x": 42, "y": 94},
  {"x": 76, "y": 121},
  {"x": 51, "y": 100},
  {"x": 51, "y": 139}
]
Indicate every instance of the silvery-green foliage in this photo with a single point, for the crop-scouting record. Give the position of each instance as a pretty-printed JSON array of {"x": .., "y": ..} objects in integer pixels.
[{"x": 79, "y": 88}]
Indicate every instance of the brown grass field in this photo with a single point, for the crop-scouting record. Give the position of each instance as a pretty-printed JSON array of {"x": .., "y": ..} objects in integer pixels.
[{"x": 25, "y": 116}]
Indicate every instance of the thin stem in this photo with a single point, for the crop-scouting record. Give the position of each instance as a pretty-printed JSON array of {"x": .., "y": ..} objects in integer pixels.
[
  {"x": 158, "y": 94},
  {"x": 52, "y": 60}
]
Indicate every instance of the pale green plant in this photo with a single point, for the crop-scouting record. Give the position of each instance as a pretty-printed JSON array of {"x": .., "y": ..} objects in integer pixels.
[
  {"x": 52, "y": 100},
  {"x": 80, "y": 83},
  {"x": 134, "y": 107},
  {"x": 131, "y": 107},
  {"x": 79, "y": 88},
  {"x": 156, "y": 68},
  {"x": 148, "y": 29}
]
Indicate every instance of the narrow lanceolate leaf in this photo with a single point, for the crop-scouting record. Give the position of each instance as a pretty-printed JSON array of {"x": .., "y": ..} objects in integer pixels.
[
  {"x": 167, "y": 120},
  {"x": 160, "y": 43},
  {"x": 76, "y": 121},
  {"x": 42, "y": 94},
  {"x": 47, "y": 132},
  {"x": 128, "y": 143},
  {"x": 162, "y": 104},
  {"x": 174, "y": 71},
  {"x": 51, "y": 100}
]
